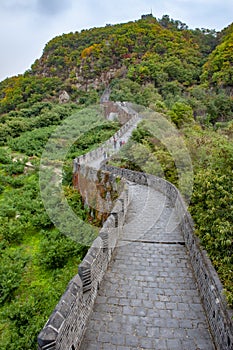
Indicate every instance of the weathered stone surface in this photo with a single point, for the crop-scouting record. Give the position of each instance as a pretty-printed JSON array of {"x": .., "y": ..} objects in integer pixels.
[
  {"x": 47, "y": 337},
  {"x": 64, "y": 97},
  {"x": 135, "y": 307},
  {"x": 56, "y": 320}
]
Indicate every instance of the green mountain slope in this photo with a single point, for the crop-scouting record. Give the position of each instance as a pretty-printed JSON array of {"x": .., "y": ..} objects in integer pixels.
[
  {"x": 218, "y": 70},
  {"x": 164, "y": 53},
  {"x": 184, "y": 74},
  {"x": 144, "y": 51}
]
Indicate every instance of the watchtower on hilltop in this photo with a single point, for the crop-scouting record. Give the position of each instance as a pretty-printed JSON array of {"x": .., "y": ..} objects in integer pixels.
[{"x": 149, "y": 15}]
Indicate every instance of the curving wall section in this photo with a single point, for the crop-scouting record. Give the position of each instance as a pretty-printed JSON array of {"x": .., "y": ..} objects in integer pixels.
[
  {"x": 66, "y": 326},
  {"x": 219, "y": 316}
]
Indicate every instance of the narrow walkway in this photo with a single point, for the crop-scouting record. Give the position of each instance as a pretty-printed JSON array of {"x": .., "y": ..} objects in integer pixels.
[
  {"x": 148, "y": 298},
  {"x": 125, "y": 138}
]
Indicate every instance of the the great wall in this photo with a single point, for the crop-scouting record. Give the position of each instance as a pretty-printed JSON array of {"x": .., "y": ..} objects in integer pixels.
[{"x": 144, "y": 283}]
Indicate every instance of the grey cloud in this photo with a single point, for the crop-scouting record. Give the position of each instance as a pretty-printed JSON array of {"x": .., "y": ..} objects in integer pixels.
[
  {"x": 42, "y": 7},
  {"x": 16, "y": 5},
  {"x": 53, "y": 7}
]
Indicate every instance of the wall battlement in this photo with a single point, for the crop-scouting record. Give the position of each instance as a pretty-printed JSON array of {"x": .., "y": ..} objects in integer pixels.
[{"x": 66, "y": 326}]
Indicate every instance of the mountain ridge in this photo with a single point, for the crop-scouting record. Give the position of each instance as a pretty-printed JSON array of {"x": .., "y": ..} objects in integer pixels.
[{"x": 161, "y": 52}]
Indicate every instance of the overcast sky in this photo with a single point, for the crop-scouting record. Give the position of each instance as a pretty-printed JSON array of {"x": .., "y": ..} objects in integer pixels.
[{"x": 27, "y": 25}]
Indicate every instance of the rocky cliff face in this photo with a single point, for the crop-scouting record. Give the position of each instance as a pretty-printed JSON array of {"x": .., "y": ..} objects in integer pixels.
[{"x": 98, "y": 82}]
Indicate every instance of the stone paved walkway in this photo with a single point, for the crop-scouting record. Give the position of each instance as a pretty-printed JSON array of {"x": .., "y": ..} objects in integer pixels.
[{"x": 148, "y": 298}]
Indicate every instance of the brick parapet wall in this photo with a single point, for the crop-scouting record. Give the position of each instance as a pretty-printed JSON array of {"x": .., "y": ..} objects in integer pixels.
[
  {"x": 66, "y": 326},
  {"x": 106, "y": 146},
  {"x": 219, "y": 316}
]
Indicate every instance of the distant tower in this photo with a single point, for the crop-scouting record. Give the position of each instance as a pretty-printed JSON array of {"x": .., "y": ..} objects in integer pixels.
[{"x": 149, "y": 15}]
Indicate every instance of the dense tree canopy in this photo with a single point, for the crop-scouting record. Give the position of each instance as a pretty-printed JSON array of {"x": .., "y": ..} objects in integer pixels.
[{"x": 218, "y": 70}]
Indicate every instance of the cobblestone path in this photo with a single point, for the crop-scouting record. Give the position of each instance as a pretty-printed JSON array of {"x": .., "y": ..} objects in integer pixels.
[{"x": 148, "y": 298}]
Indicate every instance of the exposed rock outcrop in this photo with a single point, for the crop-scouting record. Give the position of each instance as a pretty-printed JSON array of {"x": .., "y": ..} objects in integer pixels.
[{"x": 64, "y": 97}]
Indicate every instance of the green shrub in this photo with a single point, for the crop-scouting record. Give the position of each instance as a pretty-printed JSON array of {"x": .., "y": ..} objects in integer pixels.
[{"x": 56, "y": 249}]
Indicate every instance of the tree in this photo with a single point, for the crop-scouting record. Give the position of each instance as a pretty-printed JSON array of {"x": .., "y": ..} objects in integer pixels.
[{"x": 181, "y": 114}]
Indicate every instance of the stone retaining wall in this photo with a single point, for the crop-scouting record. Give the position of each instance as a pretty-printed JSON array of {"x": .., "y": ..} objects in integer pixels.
[{"x": 118, "y": 109}]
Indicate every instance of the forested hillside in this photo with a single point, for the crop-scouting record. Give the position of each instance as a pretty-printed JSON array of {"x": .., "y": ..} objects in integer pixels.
[
  {"x": 218, "y": 69},
  {"x": 186, "y": 75}
]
